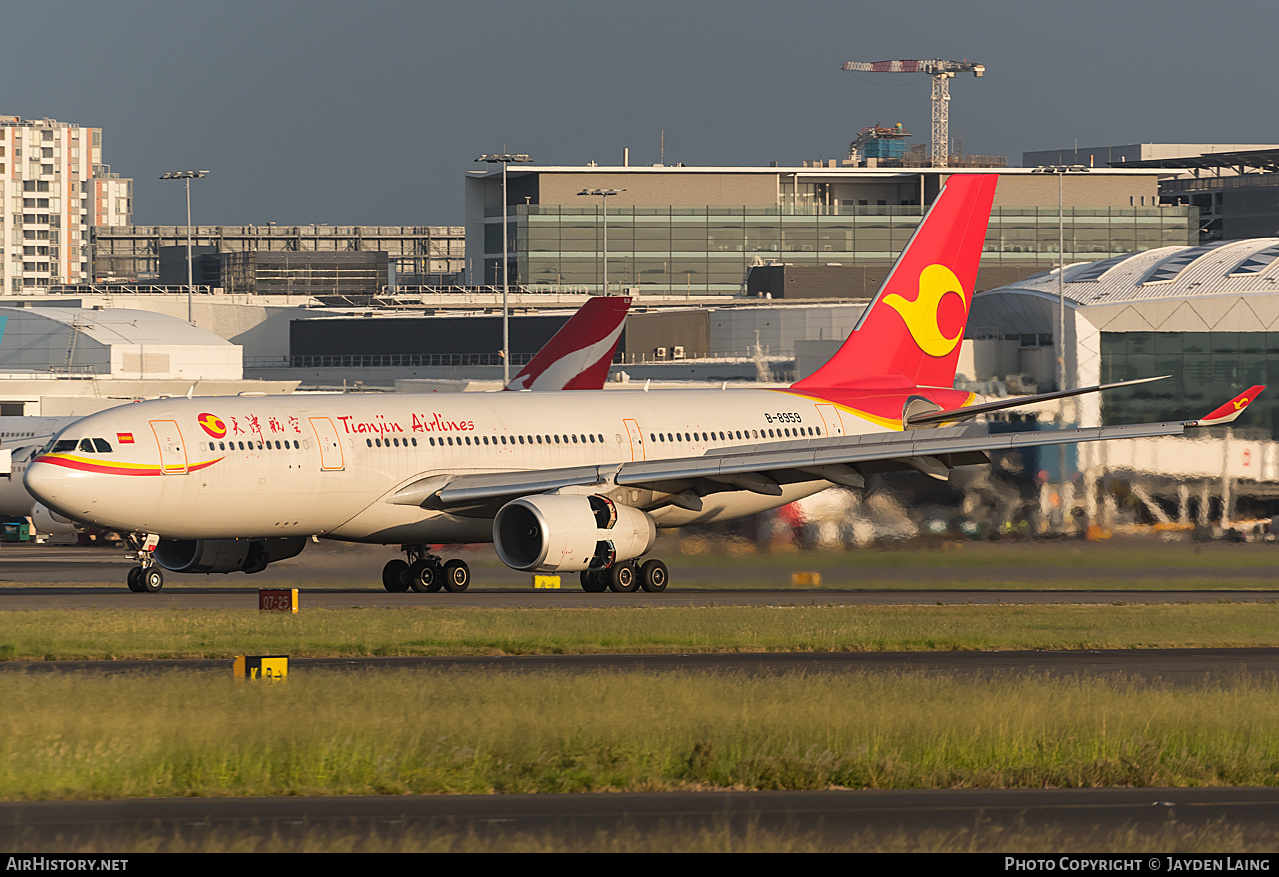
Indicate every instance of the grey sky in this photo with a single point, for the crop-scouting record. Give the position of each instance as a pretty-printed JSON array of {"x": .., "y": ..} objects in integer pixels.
[{"x": 370, "y": 112}]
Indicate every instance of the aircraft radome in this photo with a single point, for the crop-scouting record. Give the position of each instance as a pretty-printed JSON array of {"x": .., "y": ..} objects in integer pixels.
[{"x": 569, "y": 482}]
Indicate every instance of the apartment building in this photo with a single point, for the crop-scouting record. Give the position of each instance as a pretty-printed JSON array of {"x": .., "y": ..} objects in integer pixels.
[{"x": 54, "y": 188}]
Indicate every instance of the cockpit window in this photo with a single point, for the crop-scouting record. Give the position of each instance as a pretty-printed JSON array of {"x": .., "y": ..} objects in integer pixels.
[
  {"x": 86, "y": 445},
  {"x": 103, "y": 446},
  {"x": 63, "y": 446}
]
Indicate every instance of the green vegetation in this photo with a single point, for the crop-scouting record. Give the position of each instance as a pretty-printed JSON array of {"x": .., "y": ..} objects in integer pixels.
[
  {"x": 390, "y": 733},
  {"x": 67, "y": 634}
]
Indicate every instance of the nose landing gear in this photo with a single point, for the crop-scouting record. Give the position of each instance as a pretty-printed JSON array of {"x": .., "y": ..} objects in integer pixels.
[{"x": 147, "y": 577}]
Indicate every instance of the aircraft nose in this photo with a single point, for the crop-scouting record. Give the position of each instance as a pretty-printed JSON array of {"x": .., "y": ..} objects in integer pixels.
[{"x": 46, "y": 482}]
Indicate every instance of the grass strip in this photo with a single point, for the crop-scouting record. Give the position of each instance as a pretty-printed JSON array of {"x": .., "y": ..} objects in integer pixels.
[
  {"x": 427, "y": 732},
  {"x": 68, "y": 634}
]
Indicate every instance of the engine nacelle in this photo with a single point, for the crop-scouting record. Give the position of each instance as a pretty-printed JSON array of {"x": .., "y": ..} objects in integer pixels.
[
  {"x": 46, "y": 520},
  {"x": 226, "y": 555},
  {"x": 553, "y": 533}
]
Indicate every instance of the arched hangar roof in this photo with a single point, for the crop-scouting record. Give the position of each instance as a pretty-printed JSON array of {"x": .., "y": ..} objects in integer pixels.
[
  {"x": 110, "y": 326},
  {"x": 1222, "y": 286}
]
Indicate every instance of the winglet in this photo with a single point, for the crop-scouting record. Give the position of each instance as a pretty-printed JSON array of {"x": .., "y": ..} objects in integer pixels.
[{"x": 1231, "y": 409}]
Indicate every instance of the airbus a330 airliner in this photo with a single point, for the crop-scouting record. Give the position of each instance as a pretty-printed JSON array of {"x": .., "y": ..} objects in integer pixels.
[{"x": 573, "y": 482}]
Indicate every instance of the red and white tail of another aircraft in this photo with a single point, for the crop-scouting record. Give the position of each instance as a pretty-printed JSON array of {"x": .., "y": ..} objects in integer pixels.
[
  {"x": 578, "y": 356},
  {"x": 568, "y": 482}
]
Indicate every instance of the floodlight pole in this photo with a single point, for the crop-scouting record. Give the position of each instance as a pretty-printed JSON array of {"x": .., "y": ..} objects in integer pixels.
[
  {"x": 603, "y": 193},
  {"x": 1061, "y": 170},
  {"x": 504, "y": 158},
  {"x": 187, "y": 177}
]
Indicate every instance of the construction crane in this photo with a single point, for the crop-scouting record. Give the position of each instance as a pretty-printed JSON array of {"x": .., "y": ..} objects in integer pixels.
[{"x": 941, "y": 72}]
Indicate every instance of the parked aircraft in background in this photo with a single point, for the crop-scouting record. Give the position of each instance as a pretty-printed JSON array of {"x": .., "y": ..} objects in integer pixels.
[
  {"x": 21, "y": 439},
  {"x": 16, "y": 431},
  {"x": 578, "y": 356},
  {"x": 571, "y": 482}
]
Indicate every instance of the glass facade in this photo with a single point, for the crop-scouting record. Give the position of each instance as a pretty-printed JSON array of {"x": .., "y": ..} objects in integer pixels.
[
  {"x": 708, "y": 250},
  {"x": 1207, "y": 368}
]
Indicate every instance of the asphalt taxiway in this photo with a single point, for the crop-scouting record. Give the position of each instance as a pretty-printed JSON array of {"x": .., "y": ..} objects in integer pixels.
[{"x": 829, "y": 816}]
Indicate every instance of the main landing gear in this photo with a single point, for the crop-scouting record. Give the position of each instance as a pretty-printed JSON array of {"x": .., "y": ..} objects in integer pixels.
[
  {"x": 425, "y": 573},
  {"x": 627, "y": 576}
]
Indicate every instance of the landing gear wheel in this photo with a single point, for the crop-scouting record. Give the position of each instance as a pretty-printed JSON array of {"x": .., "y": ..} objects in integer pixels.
[
  {"x": 395, "y": 576},
  {"x": 425, "y": 576},
  {"x": 593, "y": 582},
  {"x": 135, "y": 580},
  {"x": 150, "y": 579},
  {"x": 653, "y": 576},
  {"x": 457, "y": 576},
  {"x": 622, "y": 578}
]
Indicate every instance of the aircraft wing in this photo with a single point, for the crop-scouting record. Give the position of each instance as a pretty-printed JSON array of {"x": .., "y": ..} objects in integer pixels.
[{"x": 763, "y": 468}]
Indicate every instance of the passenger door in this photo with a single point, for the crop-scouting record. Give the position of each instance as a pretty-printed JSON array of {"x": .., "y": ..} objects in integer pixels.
[
  {"x": 331, "y": 456},
  {"x": 637, "y": 439},
  {"x": 173, "y": 454}
]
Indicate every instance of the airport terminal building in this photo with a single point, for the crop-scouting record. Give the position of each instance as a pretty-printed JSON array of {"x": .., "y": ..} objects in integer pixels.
[
  {"x": 1206, "y": 315},
  {"x": 699, "y": 231}
]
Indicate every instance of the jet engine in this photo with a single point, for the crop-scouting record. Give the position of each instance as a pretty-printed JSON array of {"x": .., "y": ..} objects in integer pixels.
[
  {"x": 226, "y": 555},
  {"x": 45, "y": 520},
  {"x": 554, "y": 533}
]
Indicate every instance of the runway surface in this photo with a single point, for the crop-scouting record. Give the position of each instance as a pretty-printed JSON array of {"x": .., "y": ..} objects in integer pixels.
[
  {"x": 1173, "y": 666},
  {"x": 831, "y": 815},
  {"x": 345, "y": 576}
]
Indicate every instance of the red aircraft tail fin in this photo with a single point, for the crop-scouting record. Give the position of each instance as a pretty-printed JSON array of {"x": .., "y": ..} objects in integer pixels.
[
  {"x": 578, "y": 356},
  {"x": 910, "y": 335}
]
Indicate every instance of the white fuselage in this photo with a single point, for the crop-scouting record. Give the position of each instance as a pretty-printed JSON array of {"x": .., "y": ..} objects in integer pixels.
[{"x": 297, "y": 466}]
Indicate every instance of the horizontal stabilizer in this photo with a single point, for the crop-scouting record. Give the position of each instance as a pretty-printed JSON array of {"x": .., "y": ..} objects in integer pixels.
[{"x": 973, "y": 410}]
